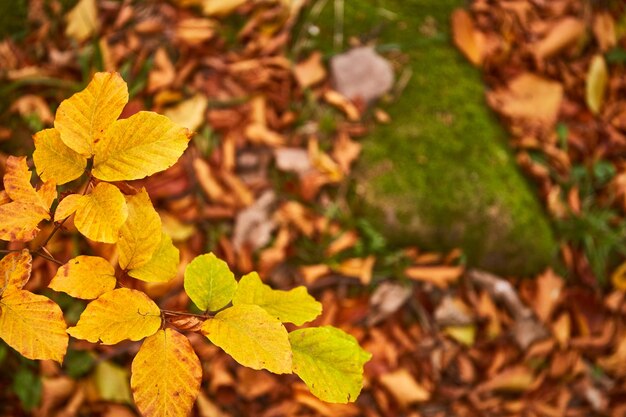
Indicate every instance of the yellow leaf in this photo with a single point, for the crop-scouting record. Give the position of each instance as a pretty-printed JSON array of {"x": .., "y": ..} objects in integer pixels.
[
  {"x": 17, "y": 183},
  {"x": 82, "y": 20},
  {"x": 48, "y": 193},
  {"x": 85, "y": 277},
  {"x": 68, "y": 206},
  {"x": 102, "y": 213},
  {"x": 15, "y": 268},
  {"x": 118, "y": 315},
  {"x": 189, "y": 113},
  {"x": 83, "y": 119},
  {"x": 139, "y": 146},
  {"x": 18, "y": 221},
  {"x": 141, "y": 234},
  {"x": 163, "y": 266},
  {"x": 294, "y": 306},
  {"x": 209, "y": 282},
  {"x": 33, "y": 325},
  {"x": 166, "y": 375},
  {"x": 55, "y": 161},
  {"x": 252, "y": 337},
  {"x": 465, "y": 334},
  {"x": 597, "y": 81}
]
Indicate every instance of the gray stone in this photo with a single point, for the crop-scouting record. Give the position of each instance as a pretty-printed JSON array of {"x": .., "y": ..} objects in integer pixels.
[{"x": 361, "y": 74}]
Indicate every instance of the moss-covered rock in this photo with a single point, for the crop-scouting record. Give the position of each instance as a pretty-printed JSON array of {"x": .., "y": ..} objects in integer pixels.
[{"x": 441, "y": 175}]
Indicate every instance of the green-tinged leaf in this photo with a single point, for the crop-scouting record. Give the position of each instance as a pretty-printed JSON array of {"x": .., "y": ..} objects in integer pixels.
[
  {"x": 139, "y": 146},
  {"x": 118, "y": 315},
  {"x": 54, "y": 160},
  {"x": 33, "y": 325},
  {"x": 28, "y": 387},
  {"x": 294, "y": 306},
  {"x": 163, "y": 266},
  {"x": 83, "y": 119},
  {"x": 597, "y": 81},
  {"x": 86, "y": 277},
  {"x": 141, "y": 234},
  {"x": 330, "y": 362},
  {"x": 209, "y": 282},
  {"x": 112, "y": 382},
  {"x": 252, "y": 337},
  {"x": 166, "y": 375}
]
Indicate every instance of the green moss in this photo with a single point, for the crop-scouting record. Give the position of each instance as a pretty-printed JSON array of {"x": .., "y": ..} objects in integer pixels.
[{"x": 441, "y": 175}]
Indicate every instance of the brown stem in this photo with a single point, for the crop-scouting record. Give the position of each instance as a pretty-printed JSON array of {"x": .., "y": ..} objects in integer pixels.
[
  {"x": 47, "y": 257},
  {"x": 184, "y": 313}
]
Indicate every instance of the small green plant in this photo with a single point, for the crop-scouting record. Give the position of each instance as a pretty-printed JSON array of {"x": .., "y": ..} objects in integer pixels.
[{"x": 245, "y": 318}]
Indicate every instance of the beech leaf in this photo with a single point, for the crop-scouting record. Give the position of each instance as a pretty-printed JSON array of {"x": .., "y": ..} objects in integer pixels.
[
  {"x": 33, "y": 325},
  {"x": 54, "y": 160},
  {"x": 118, "y": 315},
  {"x": 330, "y": 362},
  {"x": 86, "y": 277},
  {"x": 140, "y": 235},
  {"x": 19, "y": 218},
  {"x": 209, "y": 282},
  {"x": 166, "y": 375},
  {"x": 15, "y": 268},
  {"x": 252, "y": 337},
  {"x": 139, "y": 146},
  {"x": 294, "y": 306},
  {"x": 83, "y": 119},
  {"x": 101, "y": 214},
  {"x": 162, "y": 266}
]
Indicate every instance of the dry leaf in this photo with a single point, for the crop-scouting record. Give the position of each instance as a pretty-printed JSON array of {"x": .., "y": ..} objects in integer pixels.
[
  {"x": 441, "y": 276},
  {"x": 562, "y": 34},
  {"x": 596, "y": 83},
  {"x": 310, "y": 71},
  {"x": 469, "y": 40},
  {"x": 404, "y": 388},
  {"x": 82, "y": 20},
  {"x": 530, "y": 97}
]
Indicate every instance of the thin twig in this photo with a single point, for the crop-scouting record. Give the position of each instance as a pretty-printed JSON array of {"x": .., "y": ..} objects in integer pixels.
[
  {"x": 47, "y": 257},
  {"x": 184, "y": 313}
]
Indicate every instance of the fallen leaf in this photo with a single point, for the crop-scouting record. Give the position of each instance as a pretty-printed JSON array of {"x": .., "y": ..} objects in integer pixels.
[
  {"x": 311, "y": 71},
  {"x": 604, "y": 30},
  {"x": 190, "y": 113},
  {"x": 596, "y": 83},
  {"x": 466, "y": 37},
  {"x": 404, "y": 388},
  {"x": 441, "y": 276},
  {"x": 220, "y": 7},
  {"x": 561, "y": 35},
  {"x": 529, "y": 96},
  {"x": 82, "y": 20}
]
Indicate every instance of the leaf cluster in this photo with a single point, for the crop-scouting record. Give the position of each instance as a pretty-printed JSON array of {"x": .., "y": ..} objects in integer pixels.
[{"x": 245, "y": 318}]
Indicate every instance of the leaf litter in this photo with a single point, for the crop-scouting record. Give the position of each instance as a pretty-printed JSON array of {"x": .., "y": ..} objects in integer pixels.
[{"x": 445, "y": 340}]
